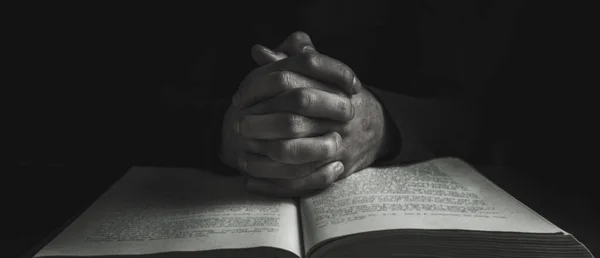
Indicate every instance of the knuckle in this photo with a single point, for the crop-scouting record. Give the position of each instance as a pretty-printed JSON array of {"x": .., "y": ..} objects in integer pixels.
[
  {"x": 295, "y": 124},
  {"x": 304, "y": 99},
  {"x": 344, "y": 75},
  {"x": 345, "y": 108},
  {"x": 311, "y": 60},
  {"x": 299, "y": 36},
  {"x": 281, "y": 79}
]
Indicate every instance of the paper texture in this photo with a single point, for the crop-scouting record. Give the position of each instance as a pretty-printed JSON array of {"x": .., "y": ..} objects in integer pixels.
[
  {"x": 153, "y": 210},
  {"x": 440, "y": 194}
]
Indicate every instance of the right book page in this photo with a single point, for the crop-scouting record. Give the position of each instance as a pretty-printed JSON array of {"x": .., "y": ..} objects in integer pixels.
[{"x": 444, "y": 193}]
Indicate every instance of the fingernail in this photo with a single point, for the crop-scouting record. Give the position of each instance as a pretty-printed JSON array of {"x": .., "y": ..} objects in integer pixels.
[
  {"x": 308, "y": 49},
  {"x": 236, "y": 126},
  {"x": 281, "y": 56},
  {"x": 354, "y": 84},
  {"x": 236, "y": 100},
  {"x": 269, "y": 51},
  {"x": 338, "y": 141},
  {"x": 338, "y": 166},
  {"x": 339, "y": 170}
]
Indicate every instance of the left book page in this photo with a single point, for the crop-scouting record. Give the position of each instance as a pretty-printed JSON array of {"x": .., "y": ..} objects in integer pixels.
[{"x": 157, "y": 210}]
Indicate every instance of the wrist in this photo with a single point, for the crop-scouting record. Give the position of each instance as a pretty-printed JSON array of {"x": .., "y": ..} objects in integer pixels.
[
  {"x": 387, "y": 139},
  {"x": 389, "y": 142}
]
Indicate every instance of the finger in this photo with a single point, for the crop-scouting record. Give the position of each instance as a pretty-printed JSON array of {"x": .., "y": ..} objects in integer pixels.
[
  {"x": 320, "y": 179},
  {"x": 309, "y": 102},
  {"x": 273, "y": 84},
  {"x": 264, "y": 167},
  {"x": 298, "y": 42},
  {"x": 276, "y": 83},
  {"x": 298, "y": 150},
  {"x": 282, "y": 126},
  {"x": 313, "y": 65},
  {"x": 262, "y": 55},
  {"x": 323, "y": 177},
  {"x": 320, "y": 67}
]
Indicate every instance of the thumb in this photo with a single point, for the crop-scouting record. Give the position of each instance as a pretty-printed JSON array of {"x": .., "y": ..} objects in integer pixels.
[
  {"x": 297, "y": 43},
  {"x": 263, "y": 55}
]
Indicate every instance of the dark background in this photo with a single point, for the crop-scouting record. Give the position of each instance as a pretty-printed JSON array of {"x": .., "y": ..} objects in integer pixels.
[{"x": 85, "y": 81}]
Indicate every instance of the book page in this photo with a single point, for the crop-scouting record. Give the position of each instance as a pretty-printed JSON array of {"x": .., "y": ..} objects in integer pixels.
[
  {"x": 153, "y": 210},
  {"x": 439, "y": 194}
]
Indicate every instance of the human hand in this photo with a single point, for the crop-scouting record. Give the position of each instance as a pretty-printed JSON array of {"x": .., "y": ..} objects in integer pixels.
[
  {"x": 363, "y": 140},
  {"x": 295, "y": 124},
  {"x": 287, "y": 79}
]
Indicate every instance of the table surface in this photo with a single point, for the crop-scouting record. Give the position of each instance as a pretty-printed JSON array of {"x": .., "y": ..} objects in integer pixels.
[{"x": 57, "y": 194}]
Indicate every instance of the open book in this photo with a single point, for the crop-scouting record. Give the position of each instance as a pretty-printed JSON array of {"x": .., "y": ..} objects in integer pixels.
[{"x": 439, "y": 208}]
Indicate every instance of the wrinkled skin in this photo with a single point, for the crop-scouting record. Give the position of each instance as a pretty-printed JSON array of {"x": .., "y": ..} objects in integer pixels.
[{"x": 300, "y": 121}]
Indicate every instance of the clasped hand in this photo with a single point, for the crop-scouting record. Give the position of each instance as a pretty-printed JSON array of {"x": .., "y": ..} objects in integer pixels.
[{"x": 300, "y": 121}]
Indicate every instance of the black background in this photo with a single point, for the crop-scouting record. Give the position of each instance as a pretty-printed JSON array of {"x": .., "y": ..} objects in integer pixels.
[{"x": 73, "y": 71}]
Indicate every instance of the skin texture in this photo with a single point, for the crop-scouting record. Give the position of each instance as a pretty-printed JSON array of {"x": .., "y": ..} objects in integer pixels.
[{"x": 300, "y": 121}]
